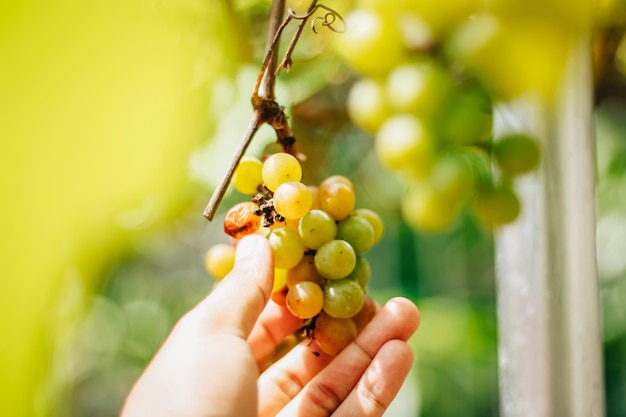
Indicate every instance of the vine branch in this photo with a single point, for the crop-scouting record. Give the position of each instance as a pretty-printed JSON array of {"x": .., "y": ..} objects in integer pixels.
[{"x": 265, "y": 108}]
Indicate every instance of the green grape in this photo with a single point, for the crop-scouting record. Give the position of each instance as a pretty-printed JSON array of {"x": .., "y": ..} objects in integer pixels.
[
  {"x": 516, "y": 154},
  {"x": 305, "y": 299},
  {"x": 247, "y": 177},
  {"x": 427, "y": 210},
  {"x": 292, "y": 200},
  {"x": 403, "y": 142},
  {"x": 332, "y": 335},
  {"x": 464, "y": 120},
  {"x": 304, "y": 271},
  {"x": 453, "y": 178},
  {"x": 219, "y": 260},
  {"x": 343, "y": 298},
  {"x": 367, "y": 105},
  {"x": 337, "y": 199},
  {"x": 335, "y": 259},
  {"x": 419, "y": 88},
  {"x": 374, "y": 220},
  {"x": 361, "y": 272},
  {"x": 495, "y": 206},
  {"x": 316, "y": 228},
  {"x": 371, "y": 44},
  {"x": 357, "y": 231},
  {"x": 279, "y": 168},
  {"x": 287, "y": 247}
]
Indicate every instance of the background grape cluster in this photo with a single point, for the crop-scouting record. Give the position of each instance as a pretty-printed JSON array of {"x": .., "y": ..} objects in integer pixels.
[
  {"x": 423, "y": 91},
  {"x": 318, "y": 239}
]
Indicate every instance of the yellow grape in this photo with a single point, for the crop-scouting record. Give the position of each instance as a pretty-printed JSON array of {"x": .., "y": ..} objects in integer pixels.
[
  {"x": 427, "y": 210},
  {"x": 338, "y": 200},
  {"x": 279, "y": 168},
  {"x": 418, "y": 88},
  {"x": 305, "y": 299},
  {"x": 219, "y": 260},
  {"x": 367, "y": 104},
  {"x": 280, "y": 279},
  {"x": 304, "y": 271},
  {"x": 367, "y": 313},
  {"x": 333, "y": 179},
  {"x": 315, "y": 201},
  {"x": 247, "y": 177},
  {"x": 332, "y": 335},
  {"x": 404, "y": 142},
  {"x": 292, "y": 200},
  {"x": 372, "y": 42}
]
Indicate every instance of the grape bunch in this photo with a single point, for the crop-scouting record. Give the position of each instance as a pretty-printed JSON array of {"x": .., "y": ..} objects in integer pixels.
[
  {"x": 318, "y": 239},
  {"x": 429, "y": 108}
]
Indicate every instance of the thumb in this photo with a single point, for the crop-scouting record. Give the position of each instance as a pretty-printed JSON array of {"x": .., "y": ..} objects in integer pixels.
[{"x": 238, "y": 300}]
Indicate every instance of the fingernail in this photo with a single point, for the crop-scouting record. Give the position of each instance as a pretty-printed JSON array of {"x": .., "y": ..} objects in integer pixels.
[{"x": 246, "y": 246}]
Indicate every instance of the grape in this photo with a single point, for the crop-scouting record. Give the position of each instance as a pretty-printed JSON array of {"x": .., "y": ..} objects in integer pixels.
[
  {"x": 496, "y": 206},
  {"x": 305, "y": 299},
  {"x": 280, "y": 279},
  {"x": 361, "y": 272},
  {"x": 292, "y": 200},
  {"x": 404, "y": 142},
  {"x": 516, "y": 154},
  {"x": 337, "y": 199},
  {"x": 371, "y": 44},
  {"x": 453, "y": 179},
  {"x": 219, "y": 260},
  {"x": 343, "y": 298},
  {"x": 367, "y": 106},
  {"x": 357, "y": 231},
  {"x": 316, "y": 228},
  {"x": 335, "y": 259},
  {"x": 287, "y": 247},
  {"x": 242, "y": 220},
  {"x": 315, "y": 201},
  {"x": 304, "y": 271},
  {"x": 288, "y": 223},
  {"x": 464, "y": 121},
  {"x": 428, "y": 210},
  {"x": 374, "y": 220},
  {"x": 279, "y": 168},
  {"x": 419, "y": 88},
  {"x": 332, "y": 335},
  {"x": 247, "y": 177},
  {"x": 334, "y": 179},
  {"x": 365, "y": 315},
  {"x": 280, "y": 297}
]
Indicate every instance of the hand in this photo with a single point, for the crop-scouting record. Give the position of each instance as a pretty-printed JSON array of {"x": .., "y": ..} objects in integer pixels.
[{"x": 208, "y": 364}]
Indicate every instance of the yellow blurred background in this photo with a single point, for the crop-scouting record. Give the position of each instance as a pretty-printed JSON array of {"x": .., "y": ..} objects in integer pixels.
[{"x": 101, "y": 104}]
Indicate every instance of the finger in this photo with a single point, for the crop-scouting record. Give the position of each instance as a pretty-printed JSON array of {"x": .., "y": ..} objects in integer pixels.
[
  {"x": 326, "y": 386},
  {"x": 282, "y": 381},
  {"x": 238, "y": 300},
  {"x": 274, "y": 325},
  {"x": 380, "y": 383}
]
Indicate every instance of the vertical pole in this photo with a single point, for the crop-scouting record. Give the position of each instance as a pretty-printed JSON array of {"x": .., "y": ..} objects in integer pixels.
[{"x": 550, "y": 357}]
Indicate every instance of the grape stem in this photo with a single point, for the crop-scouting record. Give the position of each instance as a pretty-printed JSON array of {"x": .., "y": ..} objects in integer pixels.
[{"x": 265, "y": 107}]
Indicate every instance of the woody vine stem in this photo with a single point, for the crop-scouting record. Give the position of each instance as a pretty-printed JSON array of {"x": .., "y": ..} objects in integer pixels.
[{"x": 265, "y": 108}]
